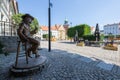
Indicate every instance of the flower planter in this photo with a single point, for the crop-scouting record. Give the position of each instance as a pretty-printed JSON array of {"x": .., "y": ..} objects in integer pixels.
[
  {"x": 110, "y": 48},
  {"x": 80, "y": 44}
]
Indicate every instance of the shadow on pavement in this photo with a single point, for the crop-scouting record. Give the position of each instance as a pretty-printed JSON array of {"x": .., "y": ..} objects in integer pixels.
[
  {"x": 68, "y": 42},
  {"x": 61, "y": 64}
]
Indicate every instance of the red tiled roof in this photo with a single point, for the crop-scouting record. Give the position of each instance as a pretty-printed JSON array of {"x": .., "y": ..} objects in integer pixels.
[
  {"x": 56, "y": 27},
  {"x": 44, "y": 28},
  {"x": 53, "y": 28},
  {"x": 92, "y": 28}
]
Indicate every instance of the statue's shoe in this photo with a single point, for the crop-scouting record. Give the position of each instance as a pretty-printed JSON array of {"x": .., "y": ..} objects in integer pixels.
[
  {"x": 37, "y": 55},
  {"x": 29, "y": 56},
  {"x": 28, "y": 52}
]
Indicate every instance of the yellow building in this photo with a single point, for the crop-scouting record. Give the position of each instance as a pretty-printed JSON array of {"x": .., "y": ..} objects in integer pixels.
[
  {"x": 61, "y": 33},
  {"x": 58, "y": 32}
]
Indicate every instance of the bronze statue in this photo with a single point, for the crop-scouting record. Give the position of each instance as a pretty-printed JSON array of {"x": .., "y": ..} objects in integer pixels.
[{"x": 24, "y": 34}]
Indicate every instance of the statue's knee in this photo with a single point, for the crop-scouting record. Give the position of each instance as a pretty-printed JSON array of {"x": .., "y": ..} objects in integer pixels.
[{"x": 38, "y": 43}]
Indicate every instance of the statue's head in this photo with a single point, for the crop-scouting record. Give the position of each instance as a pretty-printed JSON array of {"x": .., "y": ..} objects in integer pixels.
[{"x": 27, "y": 18}]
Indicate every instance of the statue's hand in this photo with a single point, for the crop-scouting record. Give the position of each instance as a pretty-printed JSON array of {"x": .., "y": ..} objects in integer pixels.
[
  {"x": 35, "y": 30},
  {"x": 28, "y": 40}
]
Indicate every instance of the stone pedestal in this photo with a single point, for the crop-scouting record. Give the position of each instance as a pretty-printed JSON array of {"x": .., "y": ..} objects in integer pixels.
[{"x": 34, "y": 64}]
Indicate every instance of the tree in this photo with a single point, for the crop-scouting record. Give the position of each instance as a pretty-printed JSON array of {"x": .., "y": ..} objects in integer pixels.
[
  {"x": 17, "y": 19},
  {"x": 89, "y": 37},
  {"x": 102, "y": 37},
  {"x": 45, "y": 36},
  {"x": 83, "y": 30},
  {"x": 34, "y": 25},
  {"x": 71, "y": 32}
]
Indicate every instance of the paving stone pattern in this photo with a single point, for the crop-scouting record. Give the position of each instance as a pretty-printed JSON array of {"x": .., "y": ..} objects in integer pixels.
[{"x": 63, "y": 65}]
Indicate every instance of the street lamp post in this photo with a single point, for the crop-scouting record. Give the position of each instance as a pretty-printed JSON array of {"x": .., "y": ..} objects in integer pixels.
[{"x": 49, "y": 25}]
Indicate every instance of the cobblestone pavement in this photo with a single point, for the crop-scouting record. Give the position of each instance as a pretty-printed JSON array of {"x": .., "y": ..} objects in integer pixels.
[
  {"x": 63, "y": 65},
  {"x": 97, "y": 52}
]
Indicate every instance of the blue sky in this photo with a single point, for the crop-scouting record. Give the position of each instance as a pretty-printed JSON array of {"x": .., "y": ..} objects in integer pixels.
[{"x": 76, "y": 11}]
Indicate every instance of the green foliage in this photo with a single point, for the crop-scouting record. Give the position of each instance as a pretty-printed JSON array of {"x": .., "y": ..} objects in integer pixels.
[
  {"x": 89, "y": 37},
  {"x": 87, "y": 30},
  {"x": 45, "y": 36},
  {"x": 17, "y": 19},
  {"x": 34, "y": 25},
  {"x": 6, "y": 53},
  {"x": 118, "y": 36},
  {"x": 71, "y": 32},
  {"x": 102, "y": 37},
  {"x": 109, "y": 36},
  {"x": 3, "y": 51},
  {"x": 106, "y": 37},
  {"x": 83, "y": 30},
  {"x": 80, "y": 30}
]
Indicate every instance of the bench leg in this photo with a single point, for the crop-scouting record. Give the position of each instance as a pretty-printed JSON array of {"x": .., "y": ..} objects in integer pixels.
[
  {"x": 18, "y": 50},
  {"x": 26, "y": 53}
]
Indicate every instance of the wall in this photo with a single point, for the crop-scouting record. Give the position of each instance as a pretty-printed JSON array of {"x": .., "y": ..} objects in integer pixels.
[{"x": 9, "y": 42}]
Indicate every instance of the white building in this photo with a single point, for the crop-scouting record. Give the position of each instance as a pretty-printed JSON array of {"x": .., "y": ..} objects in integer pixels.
[
  {"x": 112, "y": 29},
  {"x": 58, "y": 31},
  {"x": 54, "y": 30},
  {"x": 7, "y": 9},
  {"x": 92, "y": 29},
  {"x": 101, "y": 31},
  {"x": 43, "y": 31}
]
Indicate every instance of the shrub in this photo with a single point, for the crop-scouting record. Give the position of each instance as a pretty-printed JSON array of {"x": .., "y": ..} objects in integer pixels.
[
  {"x": 89, "y": 37},
  {"x": 2, "y": 49}
]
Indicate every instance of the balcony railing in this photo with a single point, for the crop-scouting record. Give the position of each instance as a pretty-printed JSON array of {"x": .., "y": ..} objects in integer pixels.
[{"x": 7, "y": 29}]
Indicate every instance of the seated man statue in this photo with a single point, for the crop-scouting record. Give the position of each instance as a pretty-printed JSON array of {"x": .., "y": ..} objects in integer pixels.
[{"x": 24, "y": 34}]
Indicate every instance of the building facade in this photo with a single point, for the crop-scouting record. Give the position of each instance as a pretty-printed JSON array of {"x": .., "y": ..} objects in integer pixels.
[
  {"x": 62, "y": 33},
  {"x": 112, "y": 29},
  {"x": 43, "y": 31},
  {"x": 57, "y": 31},
  {"x": 7, "y": 9},
  {"x": 66, "y": 26},
  {"x": 54, "y": 31},
  {"x": 92, "y": 29}
]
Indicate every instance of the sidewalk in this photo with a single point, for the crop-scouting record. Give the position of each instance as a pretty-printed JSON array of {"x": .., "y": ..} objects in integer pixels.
[{"x": 64, "y": 64}]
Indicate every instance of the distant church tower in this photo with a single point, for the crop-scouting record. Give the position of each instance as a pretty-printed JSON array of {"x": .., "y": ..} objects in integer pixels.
[
  {"x": 66, "y": 26},
  {"x": 66, "y": 23}
]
